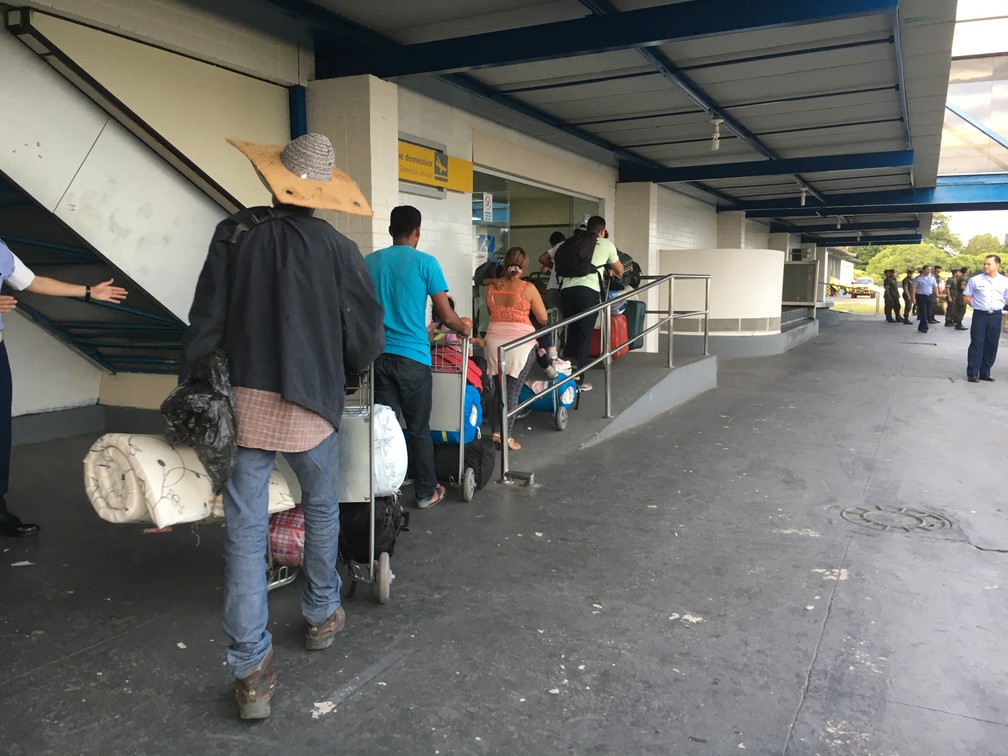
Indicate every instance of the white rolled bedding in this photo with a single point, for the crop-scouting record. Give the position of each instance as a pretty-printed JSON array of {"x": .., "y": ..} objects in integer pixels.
[{"x": 139, "y": 478}]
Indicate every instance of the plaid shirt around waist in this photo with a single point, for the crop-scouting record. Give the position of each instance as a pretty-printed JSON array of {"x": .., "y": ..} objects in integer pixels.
[{"x": 268, "y": 421}]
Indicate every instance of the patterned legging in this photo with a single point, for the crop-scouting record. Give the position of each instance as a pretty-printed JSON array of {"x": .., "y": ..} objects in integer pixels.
[{"x": 514, "y": 389}]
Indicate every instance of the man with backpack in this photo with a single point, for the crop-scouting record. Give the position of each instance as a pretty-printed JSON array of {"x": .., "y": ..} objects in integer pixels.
[{"x": 579, "y": 261}]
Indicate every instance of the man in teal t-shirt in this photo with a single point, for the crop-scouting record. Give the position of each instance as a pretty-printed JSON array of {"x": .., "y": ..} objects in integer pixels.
[{"x": 403, "y": 279}]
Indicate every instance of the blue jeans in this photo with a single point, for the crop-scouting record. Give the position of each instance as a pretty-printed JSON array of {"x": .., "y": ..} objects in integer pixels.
[
  {"x": 247, "y": 530},
  {"x": 985, "y": 332},
  {"x": 405, "y": 386}
]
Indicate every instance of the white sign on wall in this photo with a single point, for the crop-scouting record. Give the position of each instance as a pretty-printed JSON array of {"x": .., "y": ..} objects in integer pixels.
[{"x": 487, "y": 207}]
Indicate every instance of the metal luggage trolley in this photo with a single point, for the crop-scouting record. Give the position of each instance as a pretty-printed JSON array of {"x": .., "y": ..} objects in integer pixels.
[
  {"x": 356, "y": 485},
  {"x": 449, "y": 367}
]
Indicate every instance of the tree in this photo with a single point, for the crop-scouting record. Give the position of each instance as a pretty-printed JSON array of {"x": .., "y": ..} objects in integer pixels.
[
  {"x": 983, "y": 245},
  {"x": 941, "y": 235},
  {"x": 900, "y": 257}
]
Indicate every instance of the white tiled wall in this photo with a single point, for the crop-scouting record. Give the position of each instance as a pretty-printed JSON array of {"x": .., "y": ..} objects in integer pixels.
[
  {"x": 757, "y": 234},
  {"x": 684, "y": 222}
]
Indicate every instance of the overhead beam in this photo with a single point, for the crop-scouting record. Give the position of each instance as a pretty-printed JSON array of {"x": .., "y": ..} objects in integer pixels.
[
  {"x": 986, "y": 192},
  {"x": 979, "y": 126},
  {"x": 865, "y": 240},
  {"x": 846, "y": 227},
  {"x": 646, "y": 27},
  {"x": 751, "y": 168}
]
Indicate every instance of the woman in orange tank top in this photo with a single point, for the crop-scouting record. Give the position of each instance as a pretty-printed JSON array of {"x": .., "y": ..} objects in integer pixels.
[{"x": 510, "y": 300}]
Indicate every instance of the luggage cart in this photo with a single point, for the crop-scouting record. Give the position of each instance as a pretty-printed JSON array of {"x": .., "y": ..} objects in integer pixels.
[
  {"x": 356, "y": 486},
  {"x": 449, "y": 368}
]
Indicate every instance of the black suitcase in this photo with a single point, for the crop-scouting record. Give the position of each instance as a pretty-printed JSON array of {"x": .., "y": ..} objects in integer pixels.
[
  {"x": 480, "y": 455},
  {"x": 635, "y": 312},
  {"x": 390, "y": 520}
]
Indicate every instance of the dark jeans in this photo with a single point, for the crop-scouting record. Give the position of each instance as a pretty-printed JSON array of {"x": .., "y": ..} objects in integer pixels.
[
  {"x": 6, "y": 404},
  {"x": 405, "y": 386},
  {"x": 985, "y": 332},
  {"x": 907, "y": 306},
  {"x": 579, "y": 333},
  {"x": 923, "y": 312},
  {"x": 543, "y": 342}
]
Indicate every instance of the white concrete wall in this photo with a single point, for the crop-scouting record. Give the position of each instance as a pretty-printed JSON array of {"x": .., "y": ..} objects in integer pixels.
[
  {"x": 47, "y": 374},
  {"x": 757, "y": 235},
  {"x": 746, "y": 284}
]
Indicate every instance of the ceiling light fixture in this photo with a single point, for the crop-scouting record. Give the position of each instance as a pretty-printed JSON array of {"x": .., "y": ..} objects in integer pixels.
[
  {"x": 715, "y": 139},
  {"x": 803, "y": 197},
  {"x": 839, "y": 218}
]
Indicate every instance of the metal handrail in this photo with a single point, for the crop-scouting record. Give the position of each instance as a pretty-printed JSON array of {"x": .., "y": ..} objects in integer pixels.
[{"x": 606, "y": 353}]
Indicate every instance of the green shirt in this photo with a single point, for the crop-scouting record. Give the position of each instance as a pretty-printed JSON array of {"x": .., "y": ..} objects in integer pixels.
[{"x": 605, "y": 252}]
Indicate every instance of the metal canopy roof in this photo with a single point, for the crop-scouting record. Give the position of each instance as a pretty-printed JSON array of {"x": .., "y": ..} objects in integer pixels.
[{"x": 834, "y": 97}]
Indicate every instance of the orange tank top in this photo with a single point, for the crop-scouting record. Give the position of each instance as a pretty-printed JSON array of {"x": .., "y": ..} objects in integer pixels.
[{"x": 515, "y": 312}]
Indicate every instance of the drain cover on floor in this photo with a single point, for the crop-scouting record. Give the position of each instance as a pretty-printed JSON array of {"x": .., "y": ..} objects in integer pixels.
[{"x": 895, "y": 519}]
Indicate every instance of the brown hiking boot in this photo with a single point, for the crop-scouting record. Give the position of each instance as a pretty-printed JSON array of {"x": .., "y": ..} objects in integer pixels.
[
  {"x": 321, "y": 636},
  {"x": 254, "y": 692}
]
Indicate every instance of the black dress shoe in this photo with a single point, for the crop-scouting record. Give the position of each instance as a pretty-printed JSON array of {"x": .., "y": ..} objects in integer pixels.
[
  {"x": 12, "y": 527},
  {"x": 986, "y": 378},
  {"x": 961, "y": 328},
  {"x": 972, "y": 378}
]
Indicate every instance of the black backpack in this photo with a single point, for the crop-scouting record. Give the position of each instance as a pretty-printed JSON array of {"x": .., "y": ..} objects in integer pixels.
[
  {"x": 573, "y": 257},
  {"x": 355, "y": 528}
]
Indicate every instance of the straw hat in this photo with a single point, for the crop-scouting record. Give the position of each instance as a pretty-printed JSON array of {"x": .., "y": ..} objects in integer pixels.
[{"x": 303, "y": 174}]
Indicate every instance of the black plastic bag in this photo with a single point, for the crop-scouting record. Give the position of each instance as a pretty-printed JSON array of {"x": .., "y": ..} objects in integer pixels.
[{"x": 199, "y": 413}]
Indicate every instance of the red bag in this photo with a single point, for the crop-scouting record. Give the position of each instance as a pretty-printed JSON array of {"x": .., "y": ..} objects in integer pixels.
[
  {"x": 447, "y": 359},
  {"x": 618, "y": 330},
  {"x": 286, "y": 532}
]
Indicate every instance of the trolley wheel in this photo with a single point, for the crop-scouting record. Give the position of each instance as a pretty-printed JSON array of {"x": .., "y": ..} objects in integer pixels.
[
  {"x": 384, "y": 578},
  {"x": 468, "y": 484},
  {"x": 560, "y": 418}
]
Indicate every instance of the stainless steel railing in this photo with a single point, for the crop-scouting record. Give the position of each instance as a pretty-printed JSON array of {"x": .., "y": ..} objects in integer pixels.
[{"x": 667, "y": 316}]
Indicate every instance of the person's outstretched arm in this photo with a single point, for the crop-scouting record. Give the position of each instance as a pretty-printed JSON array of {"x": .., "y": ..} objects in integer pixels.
[{"x": 100, "y": 292}]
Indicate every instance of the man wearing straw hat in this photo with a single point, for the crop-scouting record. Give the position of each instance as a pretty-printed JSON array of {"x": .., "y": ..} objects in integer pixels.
[{"x": 289, "y": 300}]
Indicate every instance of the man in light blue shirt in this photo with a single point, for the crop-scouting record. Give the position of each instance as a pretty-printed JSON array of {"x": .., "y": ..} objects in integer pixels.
[
  {"x": 403, "y": 279},
  {"x": 923, "y": 286},
  {"x": 986, "y": 294}
]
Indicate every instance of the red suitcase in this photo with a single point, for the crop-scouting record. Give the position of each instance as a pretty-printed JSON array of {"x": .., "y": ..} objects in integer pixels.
[{"x": 618, "y": 328}]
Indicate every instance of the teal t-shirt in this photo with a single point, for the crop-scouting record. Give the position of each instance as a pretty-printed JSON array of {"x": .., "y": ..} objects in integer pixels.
[{"x": 403, "y": 279}]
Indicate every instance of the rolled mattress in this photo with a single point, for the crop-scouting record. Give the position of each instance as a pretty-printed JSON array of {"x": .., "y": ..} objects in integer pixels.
[{"x": 136, "y": 478}]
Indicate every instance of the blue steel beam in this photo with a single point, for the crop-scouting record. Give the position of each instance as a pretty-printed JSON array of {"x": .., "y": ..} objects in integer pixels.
[
  {"x": 865, "y": 240},
  {"x": 820, "y": 164},
  {"x": 645, "y": 27},
  {"x": 981, "y": 127},
  {"x": 845, "y": 227},
  {"x": 986, "y": 192}
]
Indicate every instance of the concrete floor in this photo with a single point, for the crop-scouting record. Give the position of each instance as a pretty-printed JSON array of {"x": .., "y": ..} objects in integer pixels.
[{"x": 691, "y": 586}]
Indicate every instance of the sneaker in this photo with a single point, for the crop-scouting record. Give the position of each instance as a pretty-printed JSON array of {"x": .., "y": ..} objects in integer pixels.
[
  {"x": 253, "y": 693},
  {"x": 551, "y": 373},
  {"x": 437, "y": 497},
  {"x": 584, "y": 386},
  {"x": 318, "y": 637}
]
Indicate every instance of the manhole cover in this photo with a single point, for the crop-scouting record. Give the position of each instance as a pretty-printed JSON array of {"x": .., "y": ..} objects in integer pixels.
[{"x": 895, "y": 519}]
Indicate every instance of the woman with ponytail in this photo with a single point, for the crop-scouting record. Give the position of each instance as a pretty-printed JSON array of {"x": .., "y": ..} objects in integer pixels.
[{"x": 510, "y": 300}]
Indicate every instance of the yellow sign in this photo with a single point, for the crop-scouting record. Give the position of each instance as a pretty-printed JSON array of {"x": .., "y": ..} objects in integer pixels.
[{"x": 423, "y": 165}]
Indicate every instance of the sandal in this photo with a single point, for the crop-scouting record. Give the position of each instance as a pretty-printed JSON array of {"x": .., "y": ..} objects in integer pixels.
[
  {"x": 512, "y": 444},
  {"x": 435, "y": 498}
]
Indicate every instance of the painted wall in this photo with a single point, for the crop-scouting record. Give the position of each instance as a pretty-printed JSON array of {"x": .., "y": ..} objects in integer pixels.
[
  {"x": 195, "y": 106},
  {"x": 745, "y": 288},
  {"x": 266, "y": 45},
  {"x": 47, "y": 374}
]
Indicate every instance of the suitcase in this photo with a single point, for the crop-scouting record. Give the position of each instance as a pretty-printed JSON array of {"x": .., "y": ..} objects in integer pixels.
[
  {"x": 480, "y": 455},
  {"x": 618, "y": 327},
  {"x": 634, "y": 314}
]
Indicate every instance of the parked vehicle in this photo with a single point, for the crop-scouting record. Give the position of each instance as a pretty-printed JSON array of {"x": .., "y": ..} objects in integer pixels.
[{"x": 864, "y": 286}]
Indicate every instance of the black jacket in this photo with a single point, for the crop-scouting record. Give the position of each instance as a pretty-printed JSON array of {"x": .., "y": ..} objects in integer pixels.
[{"x": 292, "y": 305}]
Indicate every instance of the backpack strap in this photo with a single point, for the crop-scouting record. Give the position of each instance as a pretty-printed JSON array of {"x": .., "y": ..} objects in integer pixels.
[{"x": 253, "y": 219}]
